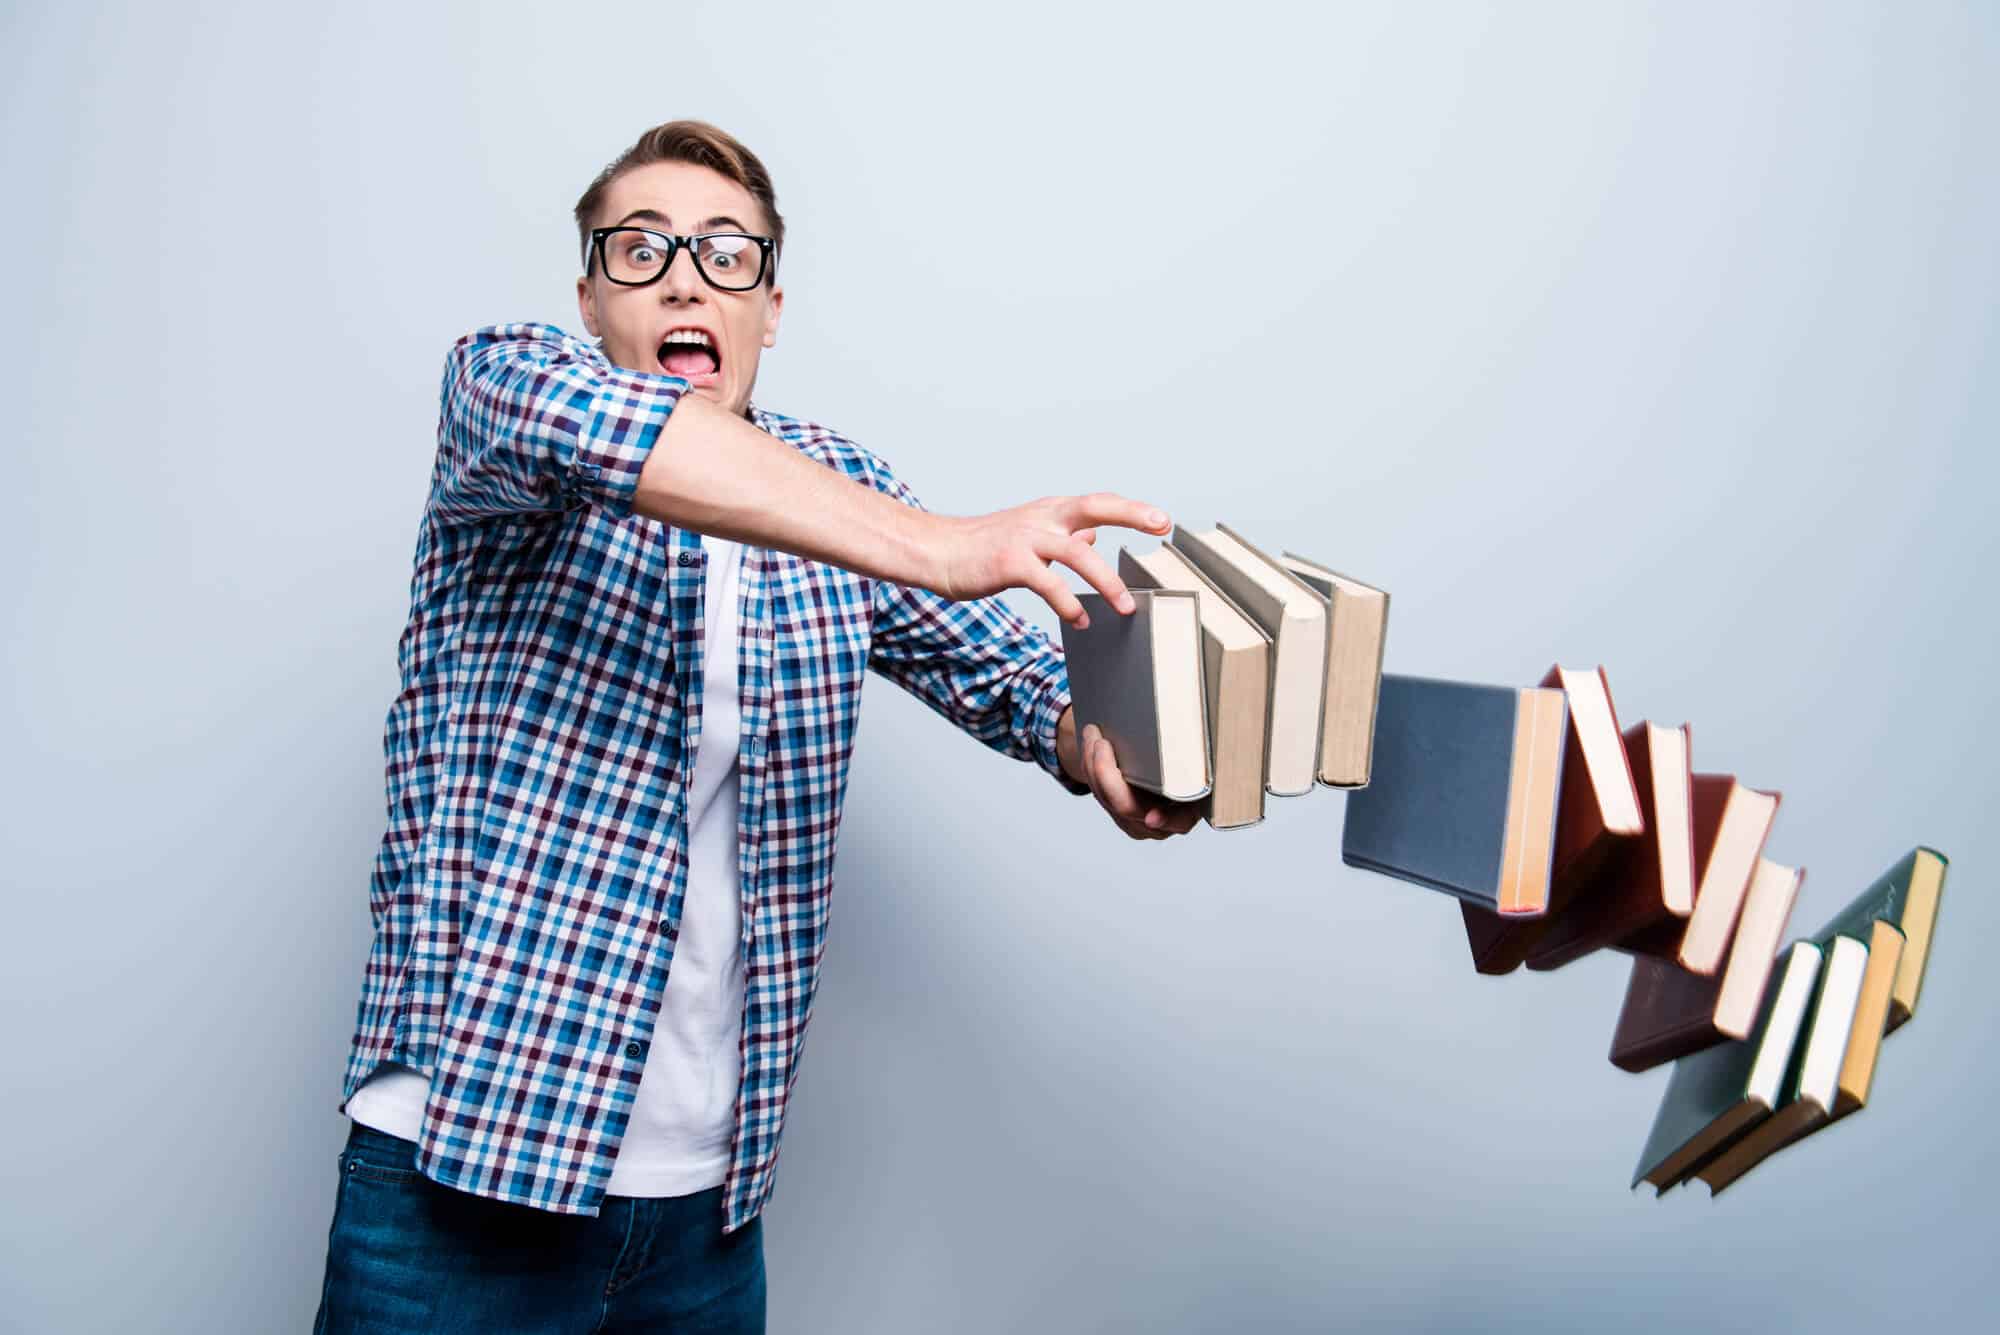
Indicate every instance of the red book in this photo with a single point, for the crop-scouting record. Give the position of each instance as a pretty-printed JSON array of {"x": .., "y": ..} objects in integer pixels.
[
  {"x": 1670, "y": 1012},
  {"x": 1650, "y": 885},
  {"x": 1731, "y": 823},
  {"x": 1597, "y": 811}
]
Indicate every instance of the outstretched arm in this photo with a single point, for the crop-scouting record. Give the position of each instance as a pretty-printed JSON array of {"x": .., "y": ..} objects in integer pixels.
[{"x": 535, "y": 421}]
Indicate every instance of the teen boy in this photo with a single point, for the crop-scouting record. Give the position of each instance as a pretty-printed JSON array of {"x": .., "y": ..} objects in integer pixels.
[{"x": 641, "y": 613}]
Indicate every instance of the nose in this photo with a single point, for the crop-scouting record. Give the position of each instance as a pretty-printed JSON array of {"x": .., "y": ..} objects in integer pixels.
[{"x": 680, "y": 282}]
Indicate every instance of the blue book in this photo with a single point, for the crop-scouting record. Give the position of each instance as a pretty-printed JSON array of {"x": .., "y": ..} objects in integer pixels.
[{"x": 1463, "y": 790}]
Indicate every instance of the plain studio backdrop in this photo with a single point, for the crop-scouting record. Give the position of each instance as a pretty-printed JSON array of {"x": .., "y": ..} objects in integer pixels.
[{"x": 1661, "y": 337}]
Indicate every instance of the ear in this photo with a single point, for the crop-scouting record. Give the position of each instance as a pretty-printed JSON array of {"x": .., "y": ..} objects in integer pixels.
[
  {"x": 586, "y": 305},
  {"x": 774, "y": 308}
]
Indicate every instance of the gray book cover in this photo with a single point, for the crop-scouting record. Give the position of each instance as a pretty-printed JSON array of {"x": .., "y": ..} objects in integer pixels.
[
  {"x": 1140, "y": 704},
  {"x": 1436, "y": 807}
]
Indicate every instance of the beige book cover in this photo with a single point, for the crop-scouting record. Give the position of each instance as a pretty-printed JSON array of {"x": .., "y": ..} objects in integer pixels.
[
  {"x": 1236, "y": 666},
  {"x": 1357, "y": 631},
  {"x": 1293, "y": 616}
]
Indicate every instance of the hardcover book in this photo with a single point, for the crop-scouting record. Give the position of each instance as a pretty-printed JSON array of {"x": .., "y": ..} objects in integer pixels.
[
  {"x": 1138, "y": 678},
  {"x": 1670, "y": 1012},
  {"x": 1717, "y": 1094},
  {"x": 1812, "y": 1080},
  {"x": 1871, "y": 1017},
  {"x": 1731, "y": 823},
  {"x": 1597, "y": 811},
  {"x": 1650, "y": 882},
  {"x": 1357, "y": 629},
  {"x": 1236, "y": 677},
  {"x": 1294, "y": 617},
  {"x": 1463, "y": 794},
  {"x": 1906, "y": 896}
]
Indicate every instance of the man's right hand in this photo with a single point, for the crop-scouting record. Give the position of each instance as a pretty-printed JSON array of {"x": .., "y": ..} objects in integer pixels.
[{"x": 1020, "y": 548}]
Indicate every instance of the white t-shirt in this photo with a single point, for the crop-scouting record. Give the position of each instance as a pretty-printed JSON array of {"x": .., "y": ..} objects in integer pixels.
[{"x": 684, "y": 1116}]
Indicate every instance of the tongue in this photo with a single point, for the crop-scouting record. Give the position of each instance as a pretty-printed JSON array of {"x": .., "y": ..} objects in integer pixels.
[{"x": 688, "y": 361}]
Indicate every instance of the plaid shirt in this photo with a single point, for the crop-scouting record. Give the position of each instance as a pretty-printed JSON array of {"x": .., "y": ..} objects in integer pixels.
[{"x": 527, "y": 892}]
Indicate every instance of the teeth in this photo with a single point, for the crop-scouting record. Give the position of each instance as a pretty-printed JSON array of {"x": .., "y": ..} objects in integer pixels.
[{"x": 693, "y": 336}]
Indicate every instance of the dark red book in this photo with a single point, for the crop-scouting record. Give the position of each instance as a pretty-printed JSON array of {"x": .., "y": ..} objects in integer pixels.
[
  {"x": 1670, "y": 1012},
  {"x": 1650, "y": 884},
  {"x": 1731, "y": 823},
  {"x": 1597, "y": 810}
]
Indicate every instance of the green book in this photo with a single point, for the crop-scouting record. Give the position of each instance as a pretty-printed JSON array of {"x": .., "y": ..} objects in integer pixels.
[
  {"x": 1812, "y": 1084},
  {"x": 1906, "y": 897},
  {"x": 1720, "y": 1092}
]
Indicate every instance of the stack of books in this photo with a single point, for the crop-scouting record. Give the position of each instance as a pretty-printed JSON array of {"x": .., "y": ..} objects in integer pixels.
[
  {"x": 1560, "y": 833},
  {"x": 1808, "y": 1057},
  {"x": 1237, "y": 676}
]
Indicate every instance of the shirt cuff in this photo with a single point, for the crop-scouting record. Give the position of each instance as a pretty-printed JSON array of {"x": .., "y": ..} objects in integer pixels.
[{"x": 627, "y": 415}]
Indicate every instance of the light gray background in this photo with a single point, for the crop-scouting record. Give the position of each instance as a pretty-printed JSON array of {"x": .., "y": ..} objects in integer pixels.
[{"x": 1663, "y": 337}]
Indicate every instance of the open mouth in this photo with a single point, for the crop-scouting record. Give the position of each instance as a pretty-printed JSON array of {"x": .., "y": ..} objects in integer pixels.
[{"x": 691, "y": 354}]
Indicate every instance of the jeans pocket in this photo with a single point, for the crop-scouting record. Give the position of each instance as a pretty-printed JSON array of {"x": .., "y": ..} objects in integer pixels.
[
  {"x": 371, "y": 1156},
  {"x": 365, "y": 1171}
]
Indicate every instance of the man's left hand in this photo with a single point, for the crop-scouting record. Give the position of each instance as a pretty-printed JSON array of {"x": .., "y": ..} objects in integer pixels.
[{"x": 1141, "y": 816}]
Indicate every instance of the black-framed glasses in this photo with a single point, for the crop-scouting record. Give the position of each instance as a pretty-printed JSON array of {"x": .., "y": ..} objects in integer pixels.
[{"x": 636, "y": 256}]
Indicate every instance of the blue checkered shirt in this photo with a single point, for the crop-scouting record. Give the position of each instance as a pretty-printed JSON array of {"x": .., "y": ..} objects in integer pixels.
[{"x": 527, "y": 892}]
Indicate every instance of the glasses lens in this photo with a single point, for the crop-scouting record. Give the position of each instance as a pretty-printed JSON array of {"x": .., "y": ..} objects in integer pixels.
[
  {"x": 633, "y": 256},
  {"x": 732, "y": 260}
]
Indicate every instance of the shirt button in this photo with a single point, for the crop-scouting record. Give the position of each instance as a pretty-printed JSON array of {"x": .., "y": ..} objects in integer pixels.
[
  {"x": 634, "y": 1048},
  {"x": 687, "y": 558}
]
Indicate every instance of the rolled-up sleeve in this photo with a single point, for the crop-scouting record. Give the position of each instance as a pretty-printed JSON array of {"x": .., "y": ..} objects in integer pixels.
[
  {"x": 975, "y": 662},
  {"x": 532, "y": 420}
]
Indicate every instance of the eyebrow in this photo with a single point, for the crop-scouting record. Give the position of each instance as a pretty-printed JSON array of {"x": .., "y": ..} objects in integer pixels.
[{"x": 655, "y": 216}]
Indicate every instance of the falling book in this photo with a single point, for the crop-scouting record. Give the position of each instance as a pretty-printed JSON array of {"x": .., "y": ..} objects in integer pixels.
[
  {"x": 1649, "y": 884},
  {"x": 1907, "y": 896},
  {"x": 1871, "y": 1017},
  {"x": 1731, "y": 823},
  {"x": 1717, "y": 1094},
  {"x": 1357, "y": 625},
  {"x": 1812, "y": 1081},
  {"x": 1294, "y": 617},
  {"x": 1235, "y": 660},
  {"x": 1462, "y": 797},
  {"x": 1139, "y": 679},
  {"x": 1670, "y": 1012},
  {"x": 1597, "y": 812}
]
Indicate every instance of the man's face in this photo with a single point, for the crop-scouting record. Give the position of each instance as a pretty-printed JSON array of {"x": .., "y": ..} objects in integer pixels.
[{"x": 682, "y": 198}]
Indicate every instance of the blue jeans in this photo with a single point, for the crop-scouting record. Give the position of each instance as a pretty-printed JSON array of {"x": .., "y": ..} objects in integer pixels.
[{"x": 406, "y": 1255}]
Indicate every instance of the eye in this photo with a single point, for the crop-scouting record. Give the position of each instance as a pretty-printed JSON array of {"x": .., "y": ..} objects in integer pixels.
[
  {"x": 725, "y": 254},
  {"x": 640, "y": 252}
]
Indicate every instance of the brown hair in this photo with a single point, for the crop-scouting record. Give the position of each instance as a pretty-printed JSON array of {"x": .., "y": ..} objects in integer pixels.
[{"x": 705, "y": 146}]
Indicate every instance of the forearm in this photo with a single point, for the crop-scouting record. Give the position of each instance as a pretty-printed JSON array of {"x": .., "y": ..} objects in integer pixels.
[{"x": 716, "y": 473}]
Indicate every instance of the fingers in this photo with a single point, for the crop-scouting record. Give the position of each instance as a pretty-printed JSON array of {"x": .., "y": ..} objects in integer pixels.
[
  {"x": 1085, "y": 561},
  {"x": 1054, "y": 591},
  {"x": 1113, "y": 793},
  {"x": 1137, "y": 819},
  {"x": 1105, "y": 507}
]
